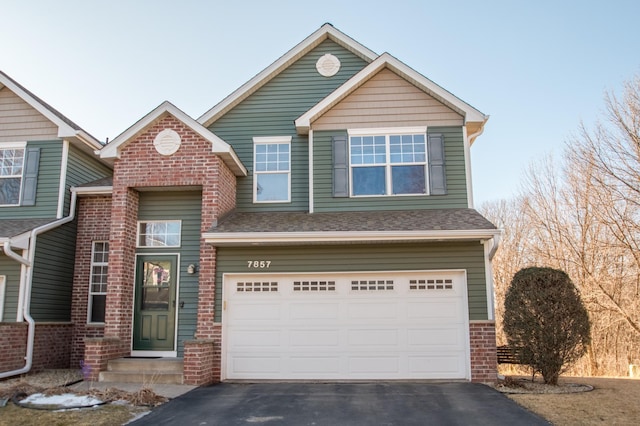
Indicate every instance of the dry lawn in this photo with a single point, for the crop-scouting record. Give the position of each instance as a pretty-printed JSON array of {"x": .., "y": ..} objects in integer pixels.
[
  {"x": 611, "y": 402},
  {"x": 127, "y": 405}
]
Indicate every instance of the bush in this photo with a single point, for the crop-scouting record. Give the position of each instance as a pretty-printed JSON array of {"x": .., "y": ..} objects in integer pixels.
[{"x": 545, "y": 317}]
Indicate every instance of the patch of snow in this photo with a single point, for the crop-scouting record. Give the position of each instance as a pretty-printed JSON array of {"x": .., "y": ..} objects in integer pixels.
[{"x": 64, "y": 400}]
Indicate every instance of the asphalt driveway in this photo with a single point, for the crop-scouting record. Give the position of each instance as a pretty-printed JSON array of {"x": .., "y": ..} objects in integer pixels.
[{"x": 334, "y": 404}]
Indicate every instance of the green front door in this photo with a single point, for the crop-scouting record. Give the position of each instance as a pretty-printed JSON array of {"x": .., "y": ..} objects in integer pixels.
[{"x": 154, "y": 313}]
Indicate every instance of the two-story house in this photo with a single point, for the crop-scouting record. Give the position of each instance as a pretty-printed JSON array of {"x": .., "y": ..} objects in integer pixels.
[
  {"x": 317, "y": 224},
  {"x": 42, "y": 155}
]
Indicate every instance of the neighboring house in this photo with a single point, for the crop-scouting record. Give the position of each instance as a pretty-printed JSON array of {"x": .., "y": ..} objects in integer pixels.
[
  {"x": 316, "y": 224},
  {"x": 42, "y": 155}
]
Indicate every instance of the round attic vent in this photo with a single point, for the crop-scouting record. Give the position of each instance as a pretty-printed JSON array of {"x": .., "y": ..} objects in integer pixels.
[
  {"x": 328, "y": 65},
  {"x": 167, "y": 142}
]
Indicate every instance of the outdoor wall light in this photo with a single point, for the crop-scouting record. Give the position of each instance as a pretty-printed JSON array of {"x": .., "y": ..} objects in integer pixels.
[{"x": 192, "y": 269}]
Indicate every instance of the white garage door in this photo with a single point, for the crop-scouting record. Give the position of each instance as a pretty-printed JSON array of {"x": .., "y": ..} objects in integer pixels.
[{"x": 345, "y": 326}]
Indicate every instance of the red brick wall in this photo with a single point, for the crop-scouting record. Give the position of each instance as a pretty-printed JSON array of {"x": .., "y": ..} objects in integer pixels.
[
  {"x": 13, "y": 345},
  {"x": 52, "y": 346},
  {"x": 94, "y": 219},
  {"x": 484, "y": 362}
]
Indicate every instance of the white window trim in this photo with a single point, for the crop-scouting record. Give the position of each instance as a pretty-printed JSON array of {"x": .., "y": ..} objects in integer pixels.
[
  {"x": 386, "y": 132},
  {"x": 3, "y": 283},
  {"x": 15, "y": 145},
  {"x": 259, "y": 140},
  {"x": 92, "y": 293},
  {"x": 158, "y": 221}
]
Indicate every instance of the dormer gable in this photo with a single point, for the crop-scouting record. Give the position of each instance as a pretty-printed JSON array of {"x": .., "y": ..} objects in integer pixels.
[{"x": 472, "y": 118}]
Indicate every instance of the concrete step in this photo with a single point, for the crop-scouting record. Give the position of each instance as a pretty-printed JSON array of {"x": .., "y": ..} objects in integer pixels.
[
  {"x": 145, "y": 379},
  {"x": 145, "y": 371},
  {"x": 146, "y": 365}
]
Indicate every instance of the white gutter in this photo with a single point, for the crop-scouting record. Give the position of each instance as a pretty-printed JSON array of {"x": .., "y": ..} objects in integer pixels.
[
  {"x": 252, "y": 238},
  {"x": 27, "y": 265}
]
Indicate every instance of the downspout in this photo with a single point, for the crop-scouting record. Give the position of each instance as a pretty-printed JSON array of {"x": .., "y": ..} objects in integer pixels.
[
  {"x": 28, "y": 265},
  {"x": 490, "y": 251}
]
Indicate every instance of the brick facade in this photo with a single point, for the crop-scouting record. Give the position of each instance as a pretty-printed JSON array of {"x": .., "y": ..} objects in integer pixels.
[
  {"x": 139, "y": 167},
  {"x": 484, "y": 361},
  {"x": 52, "y": 346}
]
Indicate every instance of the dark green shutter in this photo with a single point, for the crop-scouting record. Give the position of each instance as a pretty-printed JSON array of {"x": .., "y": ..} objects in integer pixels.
[
  {"x": 437, "y": 173},
  {"x": 30, "y": 184},
  {"x": 340, "y": 167}
]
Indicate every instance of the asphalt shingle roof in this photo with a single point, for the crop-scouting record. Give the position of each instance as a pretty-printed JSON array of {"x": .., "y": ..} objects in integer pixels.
[
  {"x": 411, "y": 220},
  {"x": 13, "y": 227},
  {"x": 106, "y": 181}
]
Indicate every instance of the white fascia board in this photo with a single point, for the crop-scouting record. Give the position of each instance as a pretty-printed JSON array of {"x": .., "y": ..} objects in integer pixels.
[
  {"x": 303, "y": 123},
  {"x": 298, "y": 51},
  {"x": 249, "y": 238},
  {"x": 218, "y": 146},
  {"x": 93, "y": 190}
]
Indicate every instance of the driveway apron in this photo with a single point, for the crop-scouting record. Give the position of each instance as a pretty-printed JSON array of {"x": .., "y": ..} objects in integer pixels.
[{"x": 334, "y": 404}]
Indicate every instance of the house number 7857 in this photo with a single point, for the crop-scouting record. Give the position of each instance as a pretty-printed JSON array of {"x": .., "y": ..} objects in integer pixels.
[{"x": 258, "y": 264}]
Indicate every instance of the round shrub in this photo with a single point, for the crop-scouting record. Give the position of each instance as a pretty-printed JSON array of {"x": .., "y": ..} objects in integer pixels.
[{"x": 546, "y": 320}]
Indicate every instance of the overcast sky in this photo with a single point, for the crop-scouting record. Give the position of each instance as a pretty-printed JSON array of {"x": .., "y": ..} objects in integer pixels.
[{"x": 538, "y": 68}]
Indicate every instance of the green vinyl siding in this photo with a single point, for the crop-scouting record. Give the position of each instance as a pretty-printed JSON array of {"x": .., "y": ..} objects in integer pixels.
[
  {"x": 467, "y": 256},
  {"x": 11, "y": 269},
  {"x": 271, "y": 111},
  {"x": 186, "y": 207},
  {"x": 48, "y": 184},
  {"x": 456, "y": 196},
  {"x": 82, "y": 168},
  {"x": 53, "y": 274}
]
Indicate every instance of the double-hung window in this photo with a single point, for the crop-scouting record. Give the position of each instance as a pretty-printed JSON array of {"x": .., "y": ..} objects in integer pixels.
[
  {"x": 11, "y": 168},
  {"x": 98, "y": 284},
  {"x": 388, "y": 162},
  {"x": 272, "y": 169}
]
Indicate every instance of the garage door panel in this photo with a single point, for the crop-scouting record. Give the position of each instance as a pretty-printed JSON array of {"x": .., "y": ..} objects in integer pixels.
[
  {"x": 367, "y": 311},
  {"x": 314, "y": 311},
  {"x": 373, "y": 337},
  {"x": 315, "y": 338},
  {"x": 445, "y": 309},
  {"x": 369, "y": 326},
  {"x": 449, "y": 337},
  {"x": 314, "y": 366},
  {"x": 248, "y": 312},
  {"x": 436, "y": 366},
  {"x": 252, "y": 366},
  {"x": 374, "y": 365},
  {"x": 255, "y": 338}
]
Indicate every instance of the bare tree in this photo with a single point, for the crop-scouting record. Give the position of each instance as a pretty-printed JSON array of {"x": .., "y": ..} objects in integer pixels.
[{"x": 583, "y": 216}]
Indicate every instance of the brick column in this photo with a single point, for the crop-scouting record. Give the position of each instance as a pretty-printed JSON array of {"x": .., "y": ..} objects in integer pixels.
[
  {"x": 122, "y": 242},
  {"x": 484, "y": 361}
]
